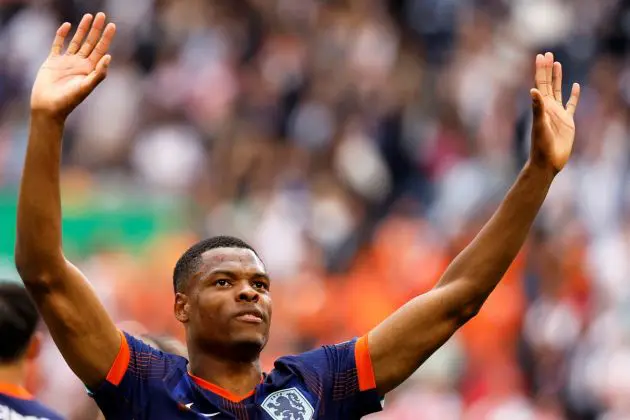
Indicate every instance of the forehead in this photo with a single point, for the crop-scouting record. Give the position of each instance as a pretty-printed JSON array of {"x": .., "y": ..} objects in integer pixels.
[{"x": 231, "y": 259}]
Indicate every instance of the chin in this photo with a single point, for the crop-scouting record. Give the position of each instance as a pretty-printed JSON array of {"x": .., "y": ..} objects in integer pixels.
[
  {"x": 250, "y": 340},
  {"x": 249, "y": 343}
]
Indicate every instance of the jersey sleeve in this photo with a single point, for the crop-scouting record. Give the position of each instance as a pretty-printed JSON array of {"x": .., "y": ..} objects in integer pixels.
[
  {"x": 137, "y": 369},
  {"x": 343, "y": 377}
]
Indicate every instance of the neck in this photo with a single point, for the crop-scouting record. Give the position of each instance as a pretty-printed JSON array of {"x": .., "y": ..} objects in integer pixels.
[
  {"x": 13, "y": 373},
  {"x": 237, "y": 377}
]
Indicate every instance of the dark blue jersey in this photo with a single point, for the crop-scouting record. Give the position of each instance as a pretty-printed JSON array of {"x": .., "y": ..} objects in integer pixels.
[
  {"x": 332, "y": 382},
  {"x": 17, "y": 403}
]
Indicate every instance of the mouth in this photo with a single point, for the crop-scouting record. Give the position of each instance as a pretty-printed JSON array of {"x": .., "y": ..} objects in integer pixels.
[{"x": 251, "y": 316}]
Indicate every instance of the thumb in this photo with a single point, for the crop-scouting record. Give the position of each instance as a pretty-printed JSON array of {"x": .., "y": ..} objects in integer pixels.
[{"x": 538, "y": 105}]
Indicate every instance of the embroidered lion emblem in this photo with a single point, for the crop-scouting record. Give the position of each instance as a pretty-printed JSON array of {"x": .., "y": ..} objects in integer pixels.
[{"x": 288, "y": 404}]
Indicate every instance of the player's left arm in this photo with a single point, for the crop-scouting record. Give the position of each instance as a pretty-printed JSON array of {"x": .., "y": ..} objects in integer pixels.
[{"x": 400, "y": 344}]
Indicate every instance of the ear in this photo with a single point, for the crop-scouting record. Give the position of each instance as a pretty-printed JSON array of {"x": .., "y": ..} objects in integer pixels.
[
  {"x": 181, "y": 308},
  {"x": 34, "y": 346}
]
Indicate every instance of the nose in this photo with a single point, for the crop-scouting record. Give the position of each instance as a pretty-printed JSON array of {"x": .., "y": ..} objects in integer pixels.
[{"x": 247, "y": 294}]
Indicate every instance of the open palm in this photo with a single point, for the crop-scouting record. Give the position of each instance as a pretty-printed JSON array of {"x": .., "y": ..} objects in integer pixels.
[
  {"x": 66, "y": 79},
  {"x": 553, "y": 130}
]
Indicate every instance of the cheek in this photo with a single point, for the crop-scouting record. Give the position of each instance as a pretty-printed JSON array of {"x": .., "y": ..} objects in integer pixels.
[
  {"x": 210, "y": 305},
  {"x": 267, "y": 303}
]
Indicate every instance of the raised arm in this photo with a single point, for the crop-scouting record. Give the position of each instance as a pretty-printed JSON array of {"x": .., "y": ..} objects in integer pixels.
[
  {"x": 405, "y": 340},
  {"x": 79, "y": 324}
]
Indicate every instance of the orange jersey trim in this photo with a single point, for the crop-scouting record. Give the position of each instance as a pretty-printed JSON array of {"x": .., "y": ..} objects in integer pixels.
[
  {"x": 365, "y": 371},
  {"x": 121, "y": 363},
  {"x": 15, "y": 391},
  {"x": 222, "y": 392}
]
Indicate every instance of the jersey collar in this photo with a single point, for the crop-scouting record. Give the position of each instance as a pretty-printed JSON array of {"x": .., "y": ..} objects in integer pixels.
[
  {"x": 15, "y": 391},
  {"x": 208, "y": 386}
]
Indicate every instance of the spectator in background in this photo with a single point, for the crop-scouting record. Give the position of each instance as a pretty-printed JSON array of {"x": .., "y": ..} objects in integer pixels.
[{"x": 19, "y": 345}]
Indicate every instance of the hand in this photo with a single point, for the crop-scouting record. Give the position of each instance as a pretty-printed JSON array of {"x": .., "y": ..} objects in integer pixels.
[
  {"x": 553, "y": 128},
  {"x": 66, "y": 79}
]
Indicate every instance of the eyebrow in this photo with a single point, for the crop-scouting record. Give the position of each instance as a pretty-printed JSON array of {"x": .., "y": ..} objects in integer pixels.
[{"x": 228, "y": 273}]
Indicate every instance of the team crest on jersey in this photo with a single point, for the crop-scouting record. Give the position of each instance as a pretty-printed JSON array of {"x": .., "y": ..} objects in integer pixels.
[{"x": 288, "y": 404}]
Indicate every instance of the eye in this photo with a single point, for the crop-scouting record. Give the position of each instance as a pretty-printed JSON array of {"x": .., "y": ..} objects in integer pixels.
[
  {"x": 222, "y": 283},
  {"x": 261, "y": 285}
]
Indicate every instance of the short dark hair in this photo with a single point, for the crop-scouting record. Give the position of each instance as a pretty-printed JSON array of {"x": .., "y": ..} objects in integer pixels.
[
  {"x": 18, "y": 321},
  {"x": 190, "y": 260}
]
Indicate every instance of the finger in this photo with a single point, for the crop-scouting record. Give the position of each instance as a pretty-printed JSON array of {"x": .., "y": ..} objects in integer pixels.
[
  {"x": 77, "y": 39},
  {"x": 541, "y": 76},
  {"x": 93, "y": 36},
  {"x": 557, "y": 82},
  {"x": 549, "y": 73},
  {"x": 103, "y": 44},
  {"x": 538, "y": 105},
  {"x": 100, "y": 72},
  {"x": 60, "y": 38},
  {"x": 574, "y": 99},
  {"x": 97, "y": 76}
]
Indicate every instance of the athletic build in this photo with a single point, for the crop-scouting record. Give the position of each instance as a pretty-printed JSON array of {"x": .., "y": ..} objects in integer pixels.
[{"x": 222, "y": 289}]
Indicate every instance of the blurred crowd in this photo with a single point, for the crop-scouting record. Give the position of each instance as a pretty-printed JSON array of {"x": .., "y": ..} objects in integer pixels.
[{"x": 358, "y": 145}]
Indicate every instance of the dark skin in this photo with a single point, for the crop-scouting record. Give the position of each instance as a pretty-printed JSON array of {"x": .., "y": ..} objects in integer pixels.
[
  {"x": 228, "y": 282},
  {"x": 228, "y": 356}
]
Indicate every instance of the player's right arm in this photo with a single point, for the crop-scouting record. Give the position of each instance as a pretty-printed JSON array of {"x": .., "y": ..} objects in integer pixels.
[{"x": 78, "y": 323}]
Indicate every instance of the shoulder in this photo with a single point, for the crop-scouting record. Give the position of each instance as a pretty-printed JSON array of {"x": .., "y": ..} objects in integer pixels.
[
  {"x": 137, "y": 362},
  {"x": 343, "y": 356},
  {"x": 144, "y": 360},
  {"x": 139, "y": 349},
  {"x": 320, "y": 362},
  {"x": 141, "y": 376},
  {"x": 320, "y": 354},
  {"x": 338, "y": 379}
]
